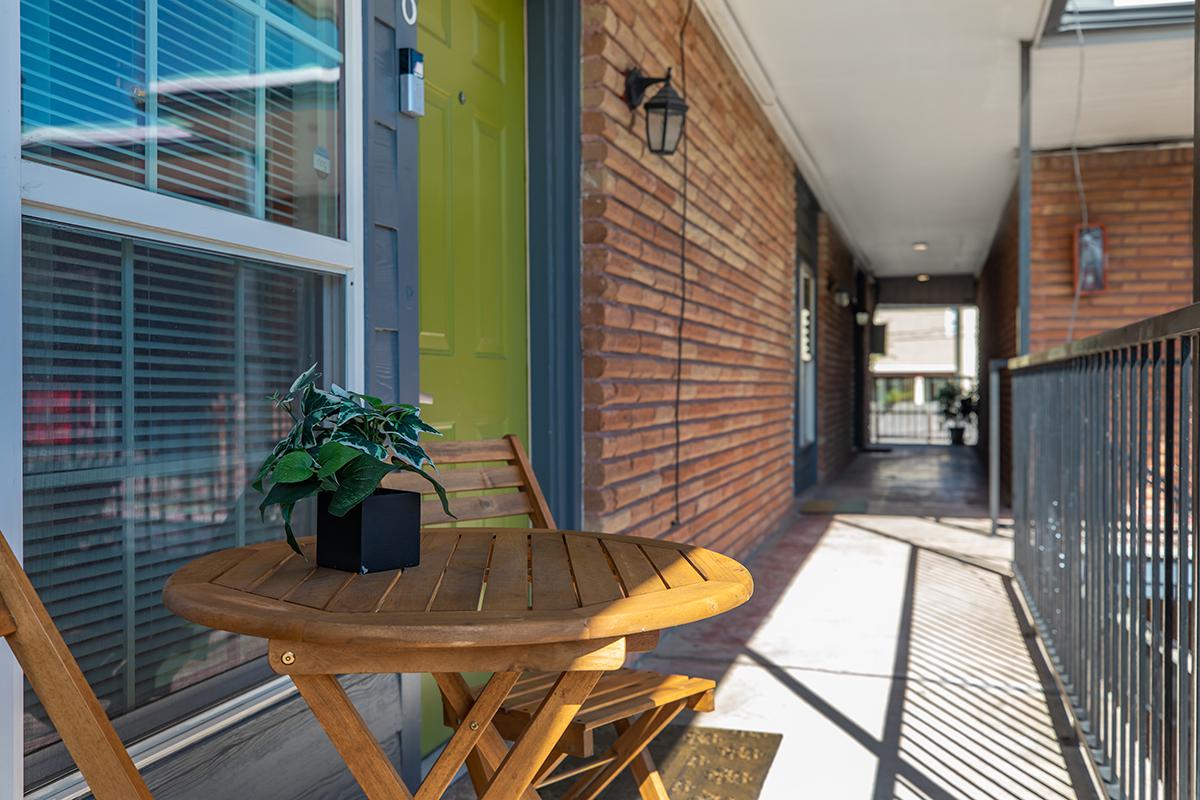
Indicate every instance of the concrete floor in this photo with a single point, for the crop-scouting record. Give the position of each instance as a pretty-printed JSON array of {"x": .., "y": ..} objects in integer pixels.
[{"x": 884, "y": 647}]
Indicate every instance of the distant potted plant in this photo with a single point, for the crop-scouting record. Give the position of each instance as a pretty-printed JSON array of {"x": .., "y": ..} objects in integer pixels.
[
  {"x": 340, "y": 446},
  {"x": 958, "y": 409}
]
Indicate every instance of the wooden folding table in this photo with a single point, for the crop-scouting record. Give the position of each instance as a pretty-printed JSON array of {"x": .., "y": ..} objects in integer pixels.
[{"x": 483, "y": 599}]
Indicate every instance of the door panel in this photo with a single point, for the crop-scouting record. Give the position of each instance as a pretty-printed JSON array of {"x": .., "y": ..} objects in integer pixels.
[
  {"x": 472, "y": 232},
  {"x": 472, "y": 226},
  {"x": 436, "y": 239}
]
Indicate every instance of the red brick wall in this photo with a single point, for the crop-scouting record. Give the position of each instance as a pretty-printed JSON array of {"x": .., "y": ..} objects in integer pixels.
[
  {"x": 835, "y": 354},
  {"x": 739, "y": 334},
  {"x": 997, "y": 299},
  {"x": 1143, "y": 198}
]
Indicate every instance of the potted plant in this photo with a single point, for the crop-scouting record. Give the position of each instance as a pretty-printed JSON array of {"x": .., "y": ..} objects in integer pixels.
[
  {"x": 341, "y": 444},
  {"x": 958, "y": 409}
]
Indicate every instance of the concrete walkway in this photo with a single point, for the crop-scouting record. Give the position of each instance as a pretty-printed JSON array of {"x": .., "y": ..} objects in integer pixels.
[{"x": 884, "y": 647}]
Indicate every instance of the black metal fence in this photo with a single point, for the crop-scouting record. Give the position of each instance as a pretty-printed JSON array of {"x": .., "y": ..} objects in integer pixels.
[
  {"x": 899, "y": 418},
  {"x": 1104, "y": 454}
]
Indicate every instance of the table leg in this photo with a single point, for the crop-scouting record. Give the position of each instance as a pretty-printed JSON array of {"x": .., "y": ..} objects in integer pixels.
[
  {"x": 539, "y": 738},
  {"x": 350, "y": 735},
  {"x": 472, "y": 726},
  {"x": 644, "y": 771},
  {"x": 490, "y": 749}
]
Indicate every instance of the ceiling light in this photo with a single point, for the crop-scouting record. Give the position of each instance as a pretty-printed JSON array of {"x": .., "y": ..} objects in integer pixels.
[
  {"x": 920, "y": 247},
  {"x": 922, "y": 278}
]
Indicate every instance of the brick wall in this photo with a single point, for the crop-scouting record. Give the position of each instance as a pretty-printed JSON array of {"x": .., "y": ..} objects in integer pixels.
[
  {"x": 997, "y": 299},
  {"x": 835, "y": 355},
  {"x": 739, "y": 332},
  {"x": 1143, "y": 198}
]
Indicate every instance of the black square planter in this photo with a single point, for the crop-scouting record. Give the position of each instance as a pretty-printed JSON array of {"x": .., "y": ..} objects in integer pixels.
[{"x": 381, "y": 533}]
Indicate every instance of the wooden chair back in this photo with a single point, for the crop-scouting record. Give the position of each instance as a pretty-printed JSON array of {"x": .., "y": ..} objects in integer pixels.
[
  {"x": 65, "y": 694},
  {"x": 497, "y": 466}
]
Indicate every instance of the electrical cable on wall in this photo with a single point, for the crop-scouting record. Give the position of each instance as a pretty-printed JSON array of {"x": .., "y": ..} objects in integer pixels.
[
  {"x": 1079, "y": 187},
  {"x": 687, "y": 15}
]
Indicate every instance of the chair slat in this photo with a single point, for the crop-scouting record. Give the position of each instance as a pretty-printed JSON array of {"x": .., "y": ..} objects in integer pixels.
[
  {"x": 444, "y": 452},
  {"x": 65, "y": 694},
  {"x": 458, "y": 479},
  {"x": 7, "y": 624},
  {"x": 630, "y": 706},
  {"x": 539, "y": 512},
  {"x": 491, "y": 506}
]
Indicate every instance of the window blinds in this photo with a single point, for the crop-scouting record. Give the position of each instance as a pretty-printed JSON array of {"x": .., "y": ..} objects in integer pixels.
[
  {"x": 146, "y": 370},
  {"x": 230, "y": 103}
]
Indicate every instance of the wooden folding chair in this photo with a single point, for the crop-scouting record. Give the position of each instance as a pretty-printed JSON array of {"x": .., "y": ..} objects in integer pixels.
[
  {"x": 58, "y": 682},
  {"x": 638, "y": 704}
]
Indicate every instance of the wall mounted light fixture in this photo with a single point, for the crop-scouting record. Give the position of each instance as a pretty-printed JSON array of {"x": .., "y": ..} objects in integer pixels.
[
  {"x": 841, "y": 296},
  {"x": 666, "y": 112}
]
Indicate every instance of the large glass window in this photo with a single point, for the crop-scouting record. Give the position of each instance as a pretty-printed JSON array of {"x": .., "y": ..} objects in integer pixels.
[
  {"x": 232, "y": 103},
  {"x": 146, "y": 369}
]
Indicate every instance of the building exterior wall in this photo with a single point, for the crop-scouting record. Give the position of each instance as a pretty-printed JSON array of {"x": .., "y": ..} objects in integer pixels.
[
  {"x": 836, "y": 367},
  {"x": 1143, "y": 197},
  {"x": 738, "y": 343}
]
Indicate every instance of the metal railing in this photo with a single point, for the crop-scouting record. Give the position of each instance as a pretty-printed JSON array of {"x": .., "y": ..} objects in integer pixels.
[
  {"x": 1105, "y": 454},
  {"x": 905, "y": 421}
]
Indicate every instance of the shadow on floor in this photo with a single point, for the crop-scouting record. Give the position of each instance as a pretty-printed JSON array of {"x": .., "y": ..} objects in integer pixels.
[{"x": 886, "y": 650}]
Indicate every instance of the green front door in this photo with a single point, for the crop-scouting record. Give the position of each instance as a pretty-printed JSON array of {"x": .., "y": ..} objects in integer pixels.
[
  {"x": 472, "y": 218},
  {"x": 472, "y": 229}
]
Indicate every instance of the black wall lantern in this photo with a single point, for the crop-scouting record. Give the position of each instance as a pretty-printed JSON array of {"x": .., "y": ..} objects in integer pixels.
[{"x": 666, "y": 112}]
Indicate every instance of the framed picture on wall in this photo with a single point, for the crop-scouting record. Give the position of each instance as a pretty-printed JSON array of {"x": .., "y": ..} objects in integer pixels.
[{"x": 1091, "y": 258}]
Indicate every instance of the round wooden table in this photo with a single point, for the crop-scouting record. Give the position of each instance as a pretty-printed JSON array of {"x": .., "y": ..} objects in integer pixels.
[{"x": 483, "y": 599}]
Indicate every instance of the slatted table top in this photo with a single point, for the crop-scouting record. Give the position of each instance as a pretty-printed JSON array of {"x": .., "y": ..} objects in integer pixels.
[{"x": 474, "y": 587}]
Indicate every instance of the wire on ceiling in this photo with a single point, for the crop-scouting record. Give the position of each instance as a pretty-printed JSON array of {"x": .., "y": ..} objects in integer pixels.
[
  {"x": 1079, "y": 186},
  {"x": 687, "y": 15}
]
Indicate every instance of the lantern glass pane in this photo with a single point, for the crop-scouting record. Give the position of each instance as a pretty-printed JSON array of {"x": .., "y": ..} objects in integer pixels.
[
  {"x": 655, "y": 129},
  {"x": 672, "y": 132}
]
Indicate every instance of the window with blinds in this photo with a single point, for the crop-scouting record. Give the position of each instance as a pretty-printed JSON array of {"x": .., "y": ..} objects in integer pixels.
[
  {"x": 232, "y": 103},
  {"x": 146, "y": 372}
]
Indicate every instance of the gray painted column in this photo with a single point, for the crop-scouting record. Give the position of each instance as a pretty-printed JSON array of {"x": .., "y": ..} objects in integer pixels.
[
  {"x": 1195, "y": 185},
  {"x": 390, "y": 256},
  {"x": 555, "y": 350},
  {"x": 1024, "y": 205}
]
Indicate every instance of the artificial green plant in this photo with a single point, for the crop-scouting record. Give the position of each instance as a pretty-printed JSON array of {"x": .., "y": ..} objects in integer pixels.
[{"x": 342, "y": 442}]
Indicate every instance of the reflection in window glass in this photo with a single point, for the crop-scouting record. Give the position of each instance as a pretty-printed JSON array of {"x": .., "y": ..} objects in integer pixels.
[
  {"x": 230, "y": 104},
  {"x": 145, "y": 373}
]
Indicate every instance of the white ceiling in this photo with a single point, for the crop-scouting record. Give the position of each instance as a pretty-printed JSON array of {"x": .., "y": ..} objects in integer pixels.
[{"x": 904, "y": 115}]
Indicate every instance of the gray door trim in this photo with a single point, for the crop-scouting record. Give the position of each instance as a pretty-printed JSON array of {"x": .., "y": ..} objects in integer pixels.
[{"x": 555, "y": 350}]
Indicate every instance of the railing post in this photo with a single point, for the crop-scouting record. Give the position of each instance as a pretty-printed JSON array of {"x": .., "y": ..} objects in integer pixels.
[{"x": 994, "y": 367}]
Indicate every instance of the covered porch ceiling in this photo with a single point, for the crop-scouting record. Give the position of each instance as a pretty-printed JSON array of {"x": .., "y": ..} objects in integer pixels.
[{"x": 904, "y": 117}]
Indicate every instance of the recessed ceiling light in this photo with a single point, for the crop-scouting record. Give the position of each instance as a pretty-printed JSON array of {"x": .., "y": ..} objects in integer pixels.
[
  {"x": 922, "y": 278},
  {"x": 920, "y": 247}
]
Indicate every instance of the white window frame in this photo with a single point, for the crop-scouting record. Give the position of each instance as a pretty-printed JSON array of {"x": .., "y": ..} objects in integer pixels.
[{"x": 33, "y": 189}]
